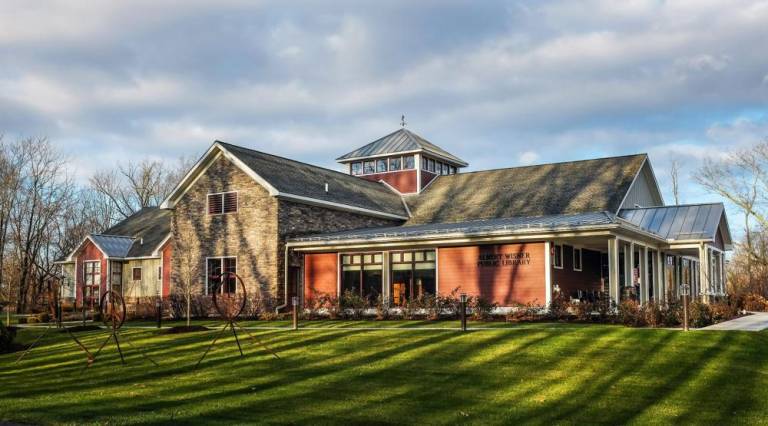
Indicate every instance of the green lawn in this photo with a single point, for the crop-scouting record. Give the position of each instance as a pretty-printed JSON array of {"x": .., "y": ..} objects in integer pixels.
[{"x": 338, "y": 372}]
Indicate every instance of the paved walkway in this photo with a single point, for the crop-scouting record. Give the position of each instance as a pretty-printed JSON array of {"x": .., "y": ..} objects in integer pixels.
[{"x": 758, "y": 321}]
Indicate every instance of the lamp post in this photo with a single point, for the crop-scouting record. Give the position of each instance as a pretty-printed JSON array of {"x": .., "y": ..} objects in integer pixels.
[
  {"x": 159, "y": 307},
  {"x": 295, "y": 313},
  {"x": 685, "y": 289},
  {"x": 463, "y": 312}
]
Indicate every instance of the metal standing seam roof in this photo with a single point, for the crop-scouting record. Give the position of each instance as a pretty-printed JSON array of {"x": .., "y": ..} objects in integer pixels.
[
  {"x": 113, "y": 245},
  {"x": 683, "y": 222},
  {"x": 401, "y": 140},
  {"x": 538, "y": 223}
]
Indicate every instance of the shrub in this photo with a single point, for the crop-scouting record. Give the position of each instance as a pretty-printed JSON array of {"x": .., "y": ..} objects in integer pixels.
[
  {"x": 525, "y": 312},
  {"x": 410, "y": 309},
  {"x": 559, "y": 306},
  {"x": 630, "y": 314},
  {"x": 699, "y": 314},
  {"x": 672, "y": 314},
  {"x": 481, "y": 308},
  {"x": 353, "y": 304},
  {"x": 754, "y": 302},
  {"x": 381, "y": 308},
  {"x": 606, "y": 310},
  {"x": 330, "y": 305},
  {"x": 724, "y": 310},
  {"x": 653, "y": 314}
]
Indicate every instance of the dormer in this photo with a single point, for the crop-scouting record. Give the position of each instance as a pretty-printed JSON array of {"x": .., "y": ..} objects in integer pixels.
[{"x": 403, "y": 160}]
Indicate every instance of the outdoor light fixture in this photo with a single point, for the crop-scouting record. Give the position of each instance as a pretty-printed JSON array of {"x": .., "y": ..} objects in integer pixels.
[
  {"x": 463, "y": 312},
  {"x": 295, "y": 313}
]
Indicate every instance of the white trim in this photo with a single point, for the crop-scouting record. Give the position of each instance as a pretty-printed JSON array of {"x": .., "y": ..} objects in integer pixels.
[
  {"x": 460, "y": 163},
  {"x": 430, "y": 182},
  {"x": 581, "y": 258},
  {"x": 547, "y": 274},
  {"x": 205, "y": 282},
  {"x": 392, "y": 188},
  {"x": 338, "y": 206},
  {"x": 157, "y": 251},
  {"x": 417, "y": 165}
]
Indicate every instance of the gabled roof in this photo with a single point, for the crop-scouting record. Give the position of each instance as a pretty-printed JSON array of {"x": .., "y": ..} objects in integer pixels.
[
  {"x": 681, "y": 222},
  {"x": 400, "y": 141},
  {"x": 477, "y": 227},
  {"x": 574, "y": 187},
  {"x": 300, "y": 182},
  {"x": 148, "y": 227}
]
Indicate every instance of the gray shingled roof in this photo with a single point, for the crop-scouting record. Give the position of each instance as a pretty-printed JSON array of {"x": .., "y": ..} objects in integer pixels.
[
  {"x": 516, "y": 224},
  {"x": 550, "y": 189},
  {"x": 684, "y": 222},
  {"x": 113, "y": 245},
  {"x": 148, "y": 227},
  {"x": 297, "y": 178},
  {"x": 401, "y": 140}
]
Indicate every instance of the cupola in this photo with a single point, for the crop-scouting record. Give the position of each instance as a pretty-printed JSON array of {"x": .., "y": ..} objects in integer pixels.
[{"x": 403, "y": 160}]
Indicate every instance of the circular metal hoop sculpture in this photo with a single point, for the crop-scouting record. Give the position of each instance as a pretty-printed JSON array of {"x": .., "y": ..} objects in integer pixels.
[
  {"x": 230, "y": 296},
  {"x": 112, "y": 309}
]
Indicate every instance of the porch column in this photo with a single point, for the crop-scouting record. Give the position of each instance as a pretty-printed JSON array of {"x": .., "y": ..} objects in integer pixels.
[
  {"x": 723, "y": 276},
  {"x": 661, "y": 295},
  {"x": 548, "y": 273},
  {"x": 704, "y": 270},
  {"x": 629, "y": 265},
  {"x": 613, "y": 269},
  {"x": 643, "y": 272}
]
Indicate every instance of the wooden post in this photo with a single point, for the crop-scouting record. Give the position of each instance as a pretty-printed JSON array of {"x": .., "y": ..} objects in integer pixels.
[{"x": 613, "y": 269}]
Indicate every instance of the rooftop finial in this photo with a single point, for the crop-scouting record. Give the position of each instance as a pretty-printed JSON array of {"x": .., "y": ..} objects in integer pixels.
[{"x": 402, "y": 121}]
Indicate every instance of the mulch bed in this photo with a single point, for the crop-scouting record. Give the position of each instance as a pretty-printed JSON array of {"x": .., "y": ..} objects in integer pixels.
[
  {"x": 180, "y": 329},
  {"x": 80, "y": 328}
]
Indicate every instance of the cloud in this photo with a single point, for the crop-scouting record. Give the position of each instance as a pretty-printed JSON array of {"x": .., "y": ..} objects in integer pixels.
[{"x": 497, "y": 83}]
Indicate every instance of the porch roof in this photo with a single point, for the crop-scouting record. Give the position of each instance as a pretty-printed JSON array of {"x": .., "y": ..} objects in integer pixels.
[
  {"x": 681, "y": 222},
  {"x": 475, "y": 227}
]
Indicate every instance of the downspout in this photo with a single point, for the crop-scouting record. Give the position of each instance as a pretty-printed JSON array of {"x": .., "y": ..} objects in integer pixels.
[{"x": 285, "y": 279}]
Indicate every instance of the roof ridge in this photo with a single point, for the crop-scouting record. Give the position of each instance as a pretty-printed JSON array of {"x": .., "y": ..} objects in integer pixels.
[
  {"x": 546, "y": 164},
  {"x": 298, "y": 162},
  {"x": 96, "y": 234},
  {"x": 676, "y": 205}
]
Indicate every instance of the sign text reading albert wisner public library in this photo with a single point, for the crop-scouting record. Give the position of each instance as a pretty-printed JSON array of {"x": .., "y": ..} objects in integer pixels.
[{"x": 494, "y": 260}]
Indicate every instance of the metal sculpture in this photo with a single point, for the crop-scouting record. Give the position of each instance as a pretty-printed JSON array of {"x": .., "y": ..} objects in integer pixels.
[
  {"x": 112, "y": 310},
  {"x": 55, "y": 318},
  {"x": 229, "y": 299}
]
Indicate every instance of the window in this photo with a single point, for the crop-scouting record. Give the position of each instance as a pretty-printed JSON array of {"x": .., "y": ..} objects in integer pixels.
[
  {"x": 431, "y": 165},
  {"x": 558, "y": 258},
  {"x": 222, "y": 202},
  {"x": 408, "y": 162},
  {"x": 159, "y": 273},
  {"x": 443, "y": 169},
  {"x": 357, "y": 168},
  {"x": 381, "y": 166},
  {"x": 413, "y": 275},
  {"x": 394, "y": 164},
  {"x": 116, "y": 270},
  {"x": 215, "y": 266},
  {"x": 576, "y": 259},
  {"x": 453, "y": 170},
  {"x": 92, "y": 282},
  {"x": 368, "y": 167},
  {"x": 136, "y": 274},
  {"x": 424, "y": 163},
  {"x": 362, "y": 274}
]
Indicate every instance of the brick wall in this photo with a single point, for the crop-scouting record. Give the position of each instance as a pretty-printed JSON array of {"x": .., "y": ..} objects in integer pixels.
[
  {"x": 473, "y": 270},
  {"x": 320, "y": 274}
]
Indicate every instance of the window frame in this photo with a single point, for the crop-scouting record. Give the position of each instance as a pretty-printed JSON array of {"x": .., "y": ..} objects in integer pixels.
[
  {"x": 410, "y": 157},
  {"x": 133, "y": 273},
  {"x": 223, "y": 203},
  {"x": 207, "y": 273},
  {"x": 555, "y": 256},
  {"x": 412, "y": 262},
  {"x": 357, "y": 172},
  {"x": 581, "y": 259},
  {"x": 399, "y": 164},
  {"x": 361, "y": 272}
]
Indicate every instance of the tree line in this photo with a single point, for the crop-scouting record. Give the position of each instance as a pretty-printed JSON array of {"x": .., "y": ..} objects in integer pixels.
[{"x": 45, "y": 213}]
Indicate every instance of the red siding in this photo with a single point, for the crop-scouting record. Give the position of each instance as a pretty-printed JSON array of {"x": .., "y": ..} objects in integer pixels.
[
  {"x": 404, "y": 180},
  {"x": 320, "y": 274},
  {"x": 89, "y": 252},
  {"x": 502, "y": 283},
  {"x": 569, "y": 280},
  {"x": 426, "y": 178},
  {"x": 167, "y": 252}
]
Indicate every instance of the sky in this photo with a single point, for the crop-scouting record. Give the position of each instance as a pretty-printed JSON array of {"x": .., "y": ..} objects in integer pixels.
[{"x": 498, "y": 83}]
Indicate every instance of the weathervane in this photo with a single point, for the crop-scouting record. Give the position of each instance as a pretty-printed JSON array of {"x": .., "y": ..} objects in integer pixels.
[{"x": 402, "y": 121}]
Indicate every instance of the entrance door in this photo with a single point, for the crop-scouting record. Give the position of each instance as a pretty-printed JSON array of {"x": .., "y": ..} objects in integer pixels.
[{"x": 91, "y": 283}]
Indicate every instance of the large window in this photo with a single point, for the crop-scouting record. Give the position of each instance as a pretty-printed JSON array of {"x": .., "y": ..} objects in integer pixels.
[
  {"x": 362, "y": 274},
  {"x": 116, "y": 270},
  {"x": 357, "y": 168},
  {"x": 381, "y": 165},
  {"x": 394, "y": 164},
  {"x": 222, "y": 202},
  {"x": 558, "y": 258},
  {"x": 215, "y": 267},
  {"x": 408, "y": 162},
  {"x": 369, "y": 167},
  {"x": 92, "y": 281},
  {"x": 413, "y": 275}
]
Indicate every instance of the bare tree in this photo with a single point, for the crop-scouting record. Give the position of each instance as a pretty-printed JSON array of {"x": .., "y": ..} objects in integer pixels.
[
  {"x": 189, "y": 269},
  {"x": 10, "y": 181},
  {"x": 674, "y": 172}
]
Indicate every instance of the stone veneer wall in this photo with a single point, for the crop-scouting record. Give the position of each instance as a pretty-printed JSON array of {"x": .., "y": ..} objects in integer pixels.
[
  {"x": 256, "y": 234},
  {"x": 250, "y": 234}
]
